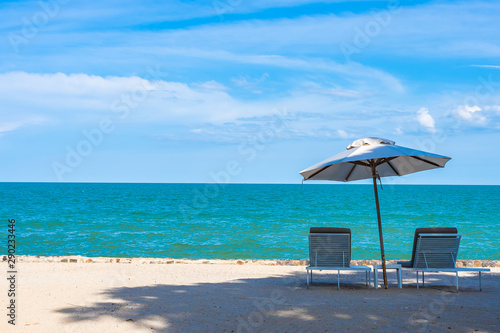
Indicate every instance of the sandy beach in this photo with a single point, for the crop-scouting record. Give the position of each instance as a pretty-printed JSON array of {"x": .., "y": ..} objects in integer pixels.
[{"x": 135, "y": 297}]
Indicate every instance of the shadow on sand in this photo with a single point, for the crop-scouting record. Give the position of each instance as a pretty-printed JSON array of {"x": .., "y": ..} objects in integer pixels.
[{"x": 284, "y": 304}]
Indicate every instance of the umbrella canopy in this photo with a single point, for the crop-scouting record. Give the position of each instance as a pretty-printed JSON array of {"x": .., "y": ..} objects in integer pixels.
[
  {"x": 374, "y": 158},
  {"x": 390, "y": 160}
]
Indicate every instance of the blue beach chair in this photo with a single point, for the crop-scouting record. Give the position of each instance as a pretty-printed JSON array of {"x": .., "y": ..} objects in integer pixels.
[
  {"x": 435, "y": 250},
  {"x": 330, "y": 249}
]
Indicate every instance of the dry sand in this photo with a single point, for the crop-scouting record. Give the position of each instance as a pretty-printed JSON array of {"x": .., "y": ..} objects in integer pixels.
[{"x": 97, "y": 297}]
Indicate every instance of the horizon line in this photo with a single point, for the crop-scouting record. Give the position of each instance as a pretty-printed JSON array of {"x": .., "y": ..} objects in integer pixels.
[{"x": 242, "y": 183}]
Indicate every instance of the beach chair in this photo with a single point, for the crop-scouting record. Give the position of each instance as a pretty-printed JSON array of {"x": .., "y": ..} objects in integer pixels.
[
  {"x": 435, "y": 250},
  {"x": 330, "y": 249}
]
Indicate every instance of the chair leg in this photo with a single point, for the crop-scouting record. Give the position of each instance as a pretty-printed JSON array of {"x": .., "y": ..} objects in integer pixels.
[
  {"x": 400, "y": 278},
  {"x": 423, "y": 279},
  {"x": 480, "y": 284},
  {"x": 338, "y": 280},
  {"x": 417, "y": 280},
  {"x": 457, "y": 279}
]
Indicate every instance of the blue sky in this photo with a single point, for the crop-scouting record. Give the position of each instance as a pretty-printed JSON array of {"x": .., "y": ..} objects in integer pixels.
[{"x": 244, "y": 91}]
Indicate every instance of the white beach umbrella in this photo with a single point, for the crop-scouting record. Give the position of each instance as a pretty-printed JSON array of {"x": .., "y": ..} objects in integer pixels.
[{"x": 374, "y": 158}]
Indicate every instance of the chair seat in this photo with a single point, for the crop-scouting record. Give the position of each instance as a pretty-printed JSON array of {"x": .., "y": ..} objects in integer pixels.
[
  {"x": 350, "y": 268},
  {"x": 406, "y": 263}
]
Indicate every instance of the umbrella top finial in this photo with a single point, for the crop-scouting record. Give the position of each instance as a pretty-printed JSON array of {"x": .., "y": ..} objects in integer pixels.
[{"x": 370, "y": 142}]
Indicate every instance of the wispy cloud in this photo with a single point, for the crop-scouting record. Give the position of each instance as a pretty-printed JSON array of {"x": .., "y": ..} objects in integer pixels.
[
  {"x": 7, "y": 127},
  {"x": 334, "y": 91},
  {"x": 345, "y": 135},
  {"x": 352, "y": 69},
  {"x": 486, "y": 66},
  {"x": 250, "y": 83}
]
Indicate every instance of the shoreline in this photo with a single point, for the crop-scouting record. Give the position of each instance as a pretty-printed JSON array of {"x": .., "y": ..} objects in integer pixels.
[{"x": 264, "y": 262}]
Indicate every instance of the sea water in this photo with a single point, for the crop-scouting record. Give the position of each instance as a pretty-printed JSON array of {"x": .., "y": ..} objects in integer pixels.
[{"x": 240, "y": 220}]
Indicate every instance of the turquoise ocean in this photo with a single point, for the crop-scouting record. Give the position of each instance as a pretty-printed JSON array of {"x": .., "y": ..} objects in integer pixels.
[{"x": 240, "y": 220}]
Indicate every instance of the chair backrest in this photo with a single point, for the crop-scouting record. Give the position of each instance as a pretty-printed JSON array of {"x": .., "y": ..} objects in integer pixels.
[
  {"x": 436, "y": 250},
  {"x": 420, "y": 231},
  {"x": 330, "y": 247}
]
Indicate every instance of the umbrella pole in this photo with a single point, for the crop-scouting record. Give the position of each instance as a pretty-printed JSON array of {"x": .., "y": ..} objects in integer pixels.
[{"x": 374, "y": 176}]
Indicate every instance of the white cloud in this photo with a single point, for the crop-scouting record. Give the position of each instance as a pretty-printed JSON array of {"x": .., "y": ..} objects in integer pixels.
[
  {"x": 470, "y": 114},
  {"x": 77, "y": 96},
  {"x": 426, "y": 120},
  {"x": 63, "y": 91},
  {"x": 80, "y": 98},
  {"x": 76, "y": 101}
]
